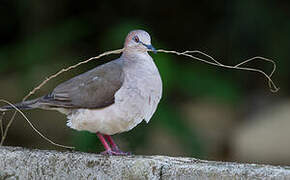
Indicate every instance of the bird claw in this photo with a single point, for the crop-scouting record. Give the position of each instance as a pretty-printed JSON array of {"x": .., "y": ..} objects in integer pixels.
[
  {"x": 115, "y": 153},
  {"x": 123, "y": 153}
]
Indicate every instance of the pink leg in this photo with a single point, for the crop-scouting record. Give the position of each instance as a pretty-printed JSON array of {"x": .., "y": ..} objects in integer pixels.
[
  {"x": 113, "y": 144},
  {"x": 109, "y": 150},
  {"x": 115, "y": 148},
  {"x": 104, "y": 142}
]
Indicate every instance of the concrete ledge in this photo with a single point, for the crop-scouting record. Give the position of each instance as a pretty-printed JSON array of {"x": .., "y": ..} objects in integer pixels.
[{"x": 20, "y": 163}]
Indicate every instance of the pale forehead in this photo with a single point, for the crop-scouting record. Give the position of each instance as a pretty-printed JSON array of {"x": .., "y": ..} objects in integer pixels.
[{"x": 142, "y": 35}]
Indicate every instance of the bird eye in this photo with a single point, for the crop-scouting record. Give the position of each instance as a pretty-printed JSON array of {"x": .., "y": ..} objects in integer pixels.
[{"x": 136, "y": 39}]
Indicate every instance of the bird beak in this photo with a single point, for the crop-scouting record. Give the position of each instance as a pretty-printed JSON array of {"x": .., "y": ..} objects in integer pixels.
[{"x": 150, "y": 47}]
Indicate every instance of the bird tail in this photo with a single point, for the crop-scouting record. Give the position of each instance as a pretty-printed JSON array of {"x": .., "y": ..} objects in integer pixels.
[{"x": 31, "y": 104}]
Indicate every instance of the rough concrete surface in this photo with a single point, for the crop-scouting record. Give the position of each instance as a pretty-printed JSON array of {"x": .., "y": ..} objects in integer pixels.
[{"x": 20, "y": 163}]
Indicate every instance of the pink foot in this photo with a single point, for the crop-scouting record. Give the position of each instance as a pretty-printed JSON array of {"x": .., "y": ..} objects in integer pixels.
[
  {"x": 115, "y": 153},
  {"x": 122, "y": 153},
  {"x": 115, "y": 148}
]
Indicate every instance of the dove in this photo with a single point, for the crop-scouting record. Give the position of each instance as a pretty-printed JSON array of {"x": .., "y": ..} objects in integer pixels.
[{"x": 111, "y": 98}]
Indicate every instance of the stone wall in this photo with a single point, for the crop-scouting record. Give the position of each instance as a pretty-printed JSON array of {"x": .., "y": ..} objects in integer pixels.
[{"x": 20, "y": 163}]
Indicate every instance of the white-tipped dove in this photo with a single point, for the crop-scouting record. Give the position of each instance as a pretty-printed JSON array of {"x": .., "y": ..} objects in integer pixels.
[{"x": 111, "y": 98}]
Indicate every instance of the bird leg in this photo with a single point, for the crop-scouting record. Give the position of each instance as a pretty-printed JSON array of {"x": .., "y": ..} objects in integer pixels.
[
  {"x": 104, "y": 142},
  {"x": 115, "y": 148},
  {"x": 110, "y": 151},
  {"x": 112, "y": 143}
]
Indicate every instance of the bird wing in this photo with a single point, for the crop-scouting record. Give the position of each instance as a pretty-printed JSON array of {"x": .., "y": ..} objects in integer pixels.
[{"x": 93, "y": 89}]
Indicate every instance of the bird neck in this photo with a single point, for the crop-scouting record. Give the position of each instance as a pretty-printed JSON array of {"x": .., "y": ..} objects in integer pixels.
[{"x": 134, "y": 55}]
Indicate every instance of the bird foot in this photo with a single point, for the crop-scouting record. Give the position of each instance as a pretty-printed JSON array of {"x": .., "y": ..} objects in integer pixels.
[{"x": 115, "y": 153}]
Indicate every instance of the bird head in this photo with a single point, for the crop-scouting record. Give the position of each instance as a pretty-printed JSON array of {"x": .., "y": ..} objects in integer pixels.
[{"x": 139, "y": 40}]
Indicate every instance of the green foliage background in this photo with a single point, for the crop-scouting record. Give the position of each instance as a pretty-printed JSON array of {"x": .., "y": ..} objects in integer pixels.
[{"x": 40, "y": 37}]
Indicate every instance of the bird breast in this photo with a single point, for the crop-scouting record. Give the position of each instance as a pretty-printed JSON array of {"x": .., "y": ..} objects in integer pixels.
[{"x": 142, "y": 88}]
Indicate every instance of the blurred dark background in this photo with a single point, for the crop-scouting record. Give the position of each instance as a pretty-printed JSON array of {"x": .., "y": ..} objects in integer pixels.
[{"x": 206, "y": 112}]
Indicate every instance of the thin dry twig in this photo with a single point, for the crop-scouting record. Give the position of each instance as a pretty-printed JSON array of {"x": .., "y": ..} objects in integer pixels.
[
  {"x": 1, "y": 124},
  {"x": 38, "y": 132},
  {"x": 118, "y": 51},
  {"x": 271, "y": 84},
  {"x": 7, "y": 128},
  {"x": 214, "y": 62}
]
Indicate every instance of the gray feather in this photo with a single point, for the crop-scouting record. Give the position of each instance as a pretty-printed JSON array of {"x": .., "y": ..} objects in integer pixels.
[
  {"x": 23, "y": 105},
  {"x": 93, "y": 89}
]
